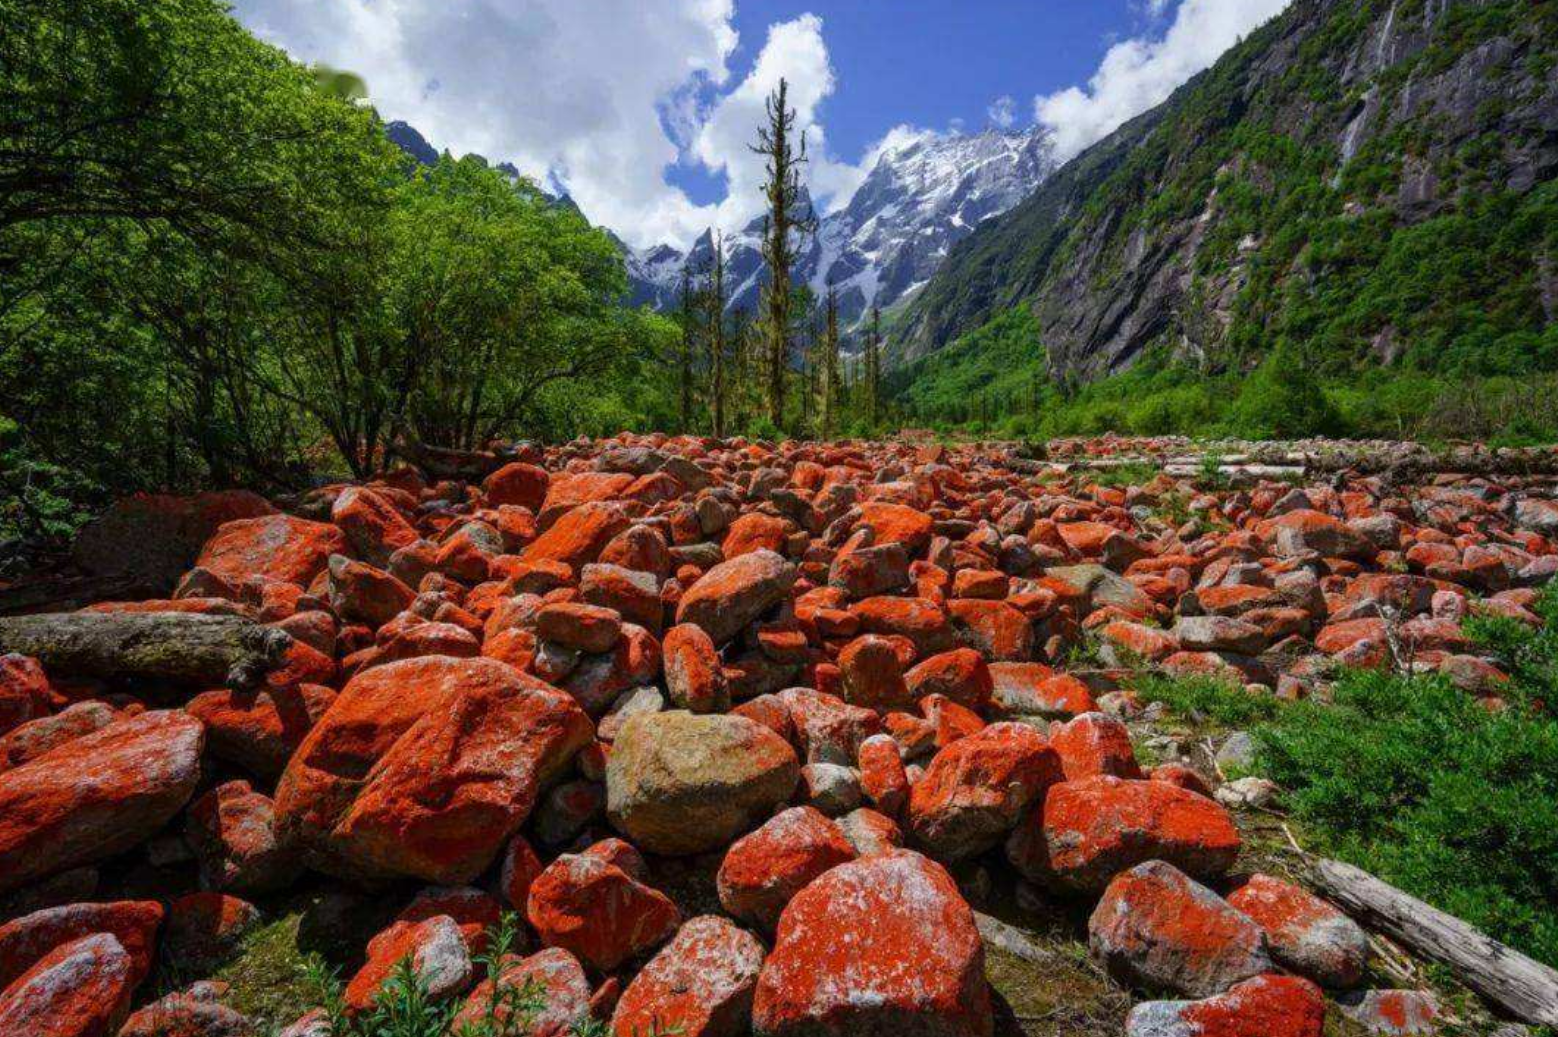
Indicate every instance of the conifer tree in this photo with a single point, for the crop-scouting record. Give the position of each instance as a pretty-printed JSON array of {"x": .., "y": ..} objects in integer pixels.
[
  {"x": 685, "y": 352},
  {"x": 716, "y": 324},
  {"x": 874, "y": 366},
  {"x": 829, "y": 360},
  {"x": 785, "y": 155}
]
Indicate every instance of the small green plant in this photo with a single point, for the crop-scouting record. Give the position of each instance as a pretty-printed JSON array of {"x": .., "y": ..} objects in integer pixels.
[
  {"x": 1203, "y": 699},
  {"x": 1133, "y": 473}
]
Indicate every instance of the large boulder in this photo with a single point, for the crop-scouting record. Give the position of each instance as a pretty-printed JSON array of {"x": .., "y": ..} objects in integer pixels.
[
  {"x": 884, "y": 946},
  {"x": 1305, "y": 934},
  {"x": 425, "y": 767},
  {"x": 153, "y": 538},
  {"x": 272, "y": 547},
  {"x": 556, "y": 979},
  {"x": 679, "y": 783},
  {"x": 80, "y": 989},
  {"x": 764, "y": 869},
  {"x": 734, "y": 593},
  {"x": 1156, "y": 927},
  {"x": 699, "y": 985},
  {"x": 976, "y": 789},
  {"x": 1088, "y": 831},
  {"x": 26, "y": 940},
  {"x": 1266, "y": 1006},
  {"x": 97, "y": 795},
  {"x": 597, "y": 906}
]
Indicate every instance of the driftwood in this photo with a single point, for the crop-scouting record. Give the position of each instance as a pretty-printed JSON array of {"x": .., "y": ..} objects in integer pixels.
[
  {"x": 1505, "y": 978},
  {"x": 185, "y": 647}
]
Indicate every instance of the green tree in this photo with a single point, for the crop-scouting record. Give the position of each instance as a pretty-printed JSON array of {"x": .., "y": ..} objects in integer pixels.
[{"x": 1283, "y": 399}]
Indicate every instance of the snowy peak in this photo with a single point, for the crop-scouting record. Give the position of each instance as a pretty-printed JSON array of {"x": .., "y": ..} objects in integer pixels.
[{"x": 924, "y": 194}]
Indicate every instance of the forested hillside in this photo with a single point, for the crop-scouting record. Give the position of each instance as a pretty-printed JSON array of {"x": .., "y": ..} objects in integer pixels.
[
  {"x": 1367, "y": 183},
  {"x": 216, "y": 269}
]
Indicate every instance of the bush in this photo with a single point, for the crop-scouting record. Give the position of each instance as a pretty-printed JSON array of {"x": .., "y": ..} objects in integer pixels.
[{"x": 1283, "y": 400}]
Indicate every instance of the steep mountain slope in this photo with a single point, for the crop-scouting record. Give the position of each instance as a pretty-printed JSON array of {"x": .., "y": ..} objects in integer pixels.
[
  {"x": 918, "y": 200},
  {"x": 1370, "y": 180}
]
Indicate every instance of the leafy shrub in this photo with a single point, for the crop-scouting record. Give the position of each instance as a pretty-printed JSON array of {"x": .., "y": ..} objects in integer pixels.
[{"x": 1283, "y": 399}]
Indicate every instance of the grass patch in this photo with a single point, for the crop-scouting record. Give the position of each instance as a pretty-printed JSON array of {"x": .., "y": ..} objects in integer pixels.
[
  {"x": 1418, "y": 782},
  {"x": 1134, "y": 473}
]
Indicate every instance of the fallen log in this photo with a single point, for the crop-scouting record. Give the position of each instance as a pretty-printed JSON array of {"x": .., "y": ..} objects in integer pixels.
[
  {"x": 1010, "y": 939},
  {"x": 185, "y": 647},
  {"x": 1505, "y": 978}
]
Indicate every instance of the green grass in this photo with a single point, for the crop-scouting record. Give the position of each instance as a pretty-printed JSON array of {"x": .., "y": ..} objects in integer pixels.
[{"x": 1418, "y": 782}]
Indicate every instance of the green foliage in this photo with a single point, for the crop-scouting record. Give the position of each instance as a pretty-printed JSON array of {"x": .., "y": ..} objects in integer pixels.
[
  {"x": 1419, "y": 782},
  {"x": 215, "y": 269},
  {"x": 1283, "y": 399}
]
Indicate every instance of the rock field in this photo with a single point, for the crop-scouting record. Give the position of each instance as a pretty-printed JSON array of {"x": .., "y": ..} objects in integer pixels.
[{"x": 842, "y": 693}]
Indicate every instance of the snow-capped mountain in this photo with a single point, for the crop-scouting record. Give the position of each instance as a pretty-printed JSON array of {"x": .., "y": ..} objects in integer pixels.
[{"x": 919, "y": 199}]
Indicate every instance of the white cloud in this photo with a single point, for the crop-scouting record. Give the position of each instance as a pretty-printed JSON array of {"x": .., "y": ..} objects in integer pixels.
[
  {"x": 1003, "y": 111},
  {"x": 587, "y": 93},
  {"x": 1139, "y": 73}
]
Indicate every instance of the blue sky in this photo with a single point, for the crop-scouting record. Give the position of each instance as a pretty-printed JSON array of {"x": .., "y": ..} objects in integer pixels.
[{"x": 643, "y": 109}]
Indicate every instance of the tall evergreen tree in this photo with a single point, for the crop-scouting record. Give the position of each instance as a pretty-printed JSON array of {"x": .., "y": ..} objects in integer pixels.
[
  {"x": 785, "y": 155},
  {"x": 829, "y": 360},
  {"x": 685, "y": 353},
  {"x": 716, "y": 319}
]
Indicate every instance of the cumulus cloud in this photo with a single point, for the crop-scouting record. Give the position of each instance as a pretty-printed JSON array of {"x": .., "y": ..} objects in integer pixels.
[
  {"x": 1138, "y": 73},
  {"x": 587, "y": 94},
  {"x": 1003, "y": 112}
]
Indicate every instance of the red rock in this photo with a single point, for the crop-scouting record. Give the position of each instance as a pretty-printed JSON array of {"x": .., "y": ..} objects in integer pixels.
[
  {"x": 1156, "y": 927},
  {"x": 359, "y": 592},
  {"x": 1303, "y": 932},
  {"x": 763, "y": 870},
  {"x": 639, "y": 549},
  {"x": 950, "y": 720},
  {"x": 975, "y": 789},
  {"x": 554, "y": 976},
  {"x": 375, "y": 529},
  {"x": 79, "y": 989},
  {"x": 1088, "y": 831},
  {"x": 897, "y": 524},
  {"x": 588, "y": 628},
  {"x": 24, "y": 691},
  {"x": 232, "y": 831},
  {"x": 578, "y": 536},
  {"x": 1394, "y": 1013},
  {"x": 36, "y": 737},
  {"x": 755, "y": 531},
  {"x": 633, "y": 594},
  {"x": 1184, "y": 777},
  {"x": 734, "y": 593},
  {"x": 597, "y": 911},
  {"x": 27, "y": 940},
  {"x": 828, "y": 729},
  {"x": 1140, "y": 641},
  {"x": 96, "y": 796},
  {"x": 882, "y": 776},
  {"x": 1304, "y": 531},
  {"x": 195, "y": 1012},
  {"x": 475, "y": 912},
  {"x": 869, "y": 832},
  {"x": 274, "y": 547},
  {"x": 1033, "y": 689},
  {"x": 1266, "y": 1006},
  {"x": 694, "y": 678},
  {"x": 862, "y": 571},
  {"x": 700, "y": 985},
  {"x": 1092, "y": 744},
  {"x": 872, "y": 670},
  {"x": 997, "y": 630},
  {"x": 517, "y": 483},
  {"x": 912, "y": 963},
  {"x": 455, "y": 752},
  {"x": 438, "y": 955},
  {"x": 961, "y": 675},
  {"x": 204, "y": 929},
  {"x": 518, "y": 870},
  {"x": 259, "y": 731},
  {"x": 922, "y": 621},
  {"x": 991, "y": 584}
]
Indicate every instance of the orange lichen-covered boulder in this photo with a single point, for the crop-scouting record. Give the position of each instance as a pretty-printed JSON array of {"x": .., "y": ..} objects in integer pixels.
[
  {"x": 579, "y": 535},
  {"x": 764, "y": 869},
  {"x": 881, "y": 945},
  {"x": 1305, "y": 934},
  {"x": 699, "y": 985},
  {"x": 79, "y": 989},
  {"x": 734, "y": 593},
  {"x": 694, "y": 679},
  {"x": 590, "y": 905},
  {"x": 1088, "y": 831},
  {"x": 1156, "y": 927},
  {"x": 557, "y": 980},
  {"x": 1266, "y": 1006},
  {"x": 24, "y": 691},
  {"x": 1093, "y": 744},
  {"x": 273, "y": 547},
  {"x": 25, "y": 941},
  {"x": 425, "y": 767},
  {"x": 517, "y": 483},
  {"x": 437, "y": 952},
  {"x": 678, "y": 783},
  {"x": 260, "y": 730},
  {"x": 976, "y": 789},
  {"x": 962, "y": 675},
  {"x": 371, "y": 523},
  {"x": 97, "y": 795},
  {"x": 873, "y": 674}
]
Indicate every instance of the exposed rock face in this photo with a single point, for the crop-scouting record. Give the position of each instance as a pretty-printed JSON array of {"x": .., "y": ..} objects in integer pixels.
[{"x": 1108, "y": 274}]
